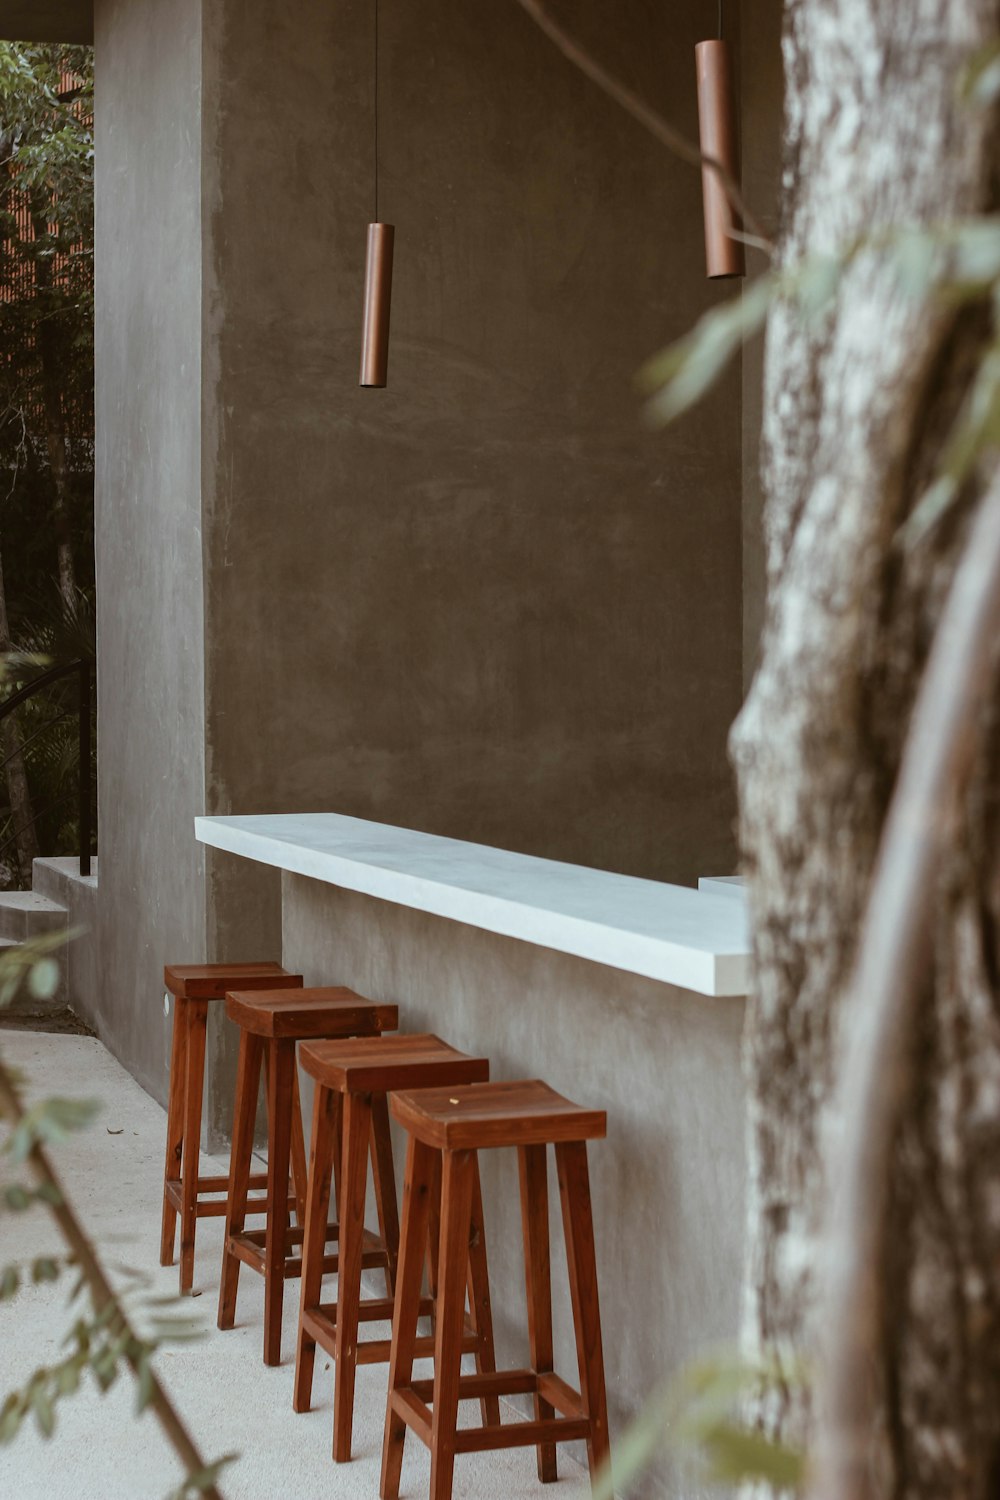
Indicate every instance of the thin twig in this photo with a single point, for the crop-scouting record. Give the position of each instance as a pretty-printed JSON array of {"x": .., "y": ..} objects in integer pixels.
[
  {"x": 101, "y": 1292},
  {"x": 890, "y": 971},
  {"x": 651, "y": 119}
]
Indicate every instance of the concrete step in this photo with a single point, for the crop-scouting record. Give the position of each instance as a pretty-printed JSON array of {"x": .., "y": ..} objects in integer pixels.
[
  {"x": 56, "y": 877},
  {"x": 25, "y": 914}
]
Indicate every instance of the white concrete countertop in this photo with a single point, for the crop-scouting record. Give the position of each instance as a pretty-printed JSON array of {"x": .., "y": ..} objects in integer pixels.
[{"x": 696, "y": 939}]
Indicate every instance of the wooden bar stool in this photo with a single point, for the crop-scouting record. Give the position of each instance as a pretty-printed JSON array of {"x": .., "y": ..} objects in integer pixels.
[
  {"x": 352, "y": 1081},
  {"x": 271, "y": 1022},
  {"x": 450, "y": 1126},
  {"x": 194, "y": 987}
]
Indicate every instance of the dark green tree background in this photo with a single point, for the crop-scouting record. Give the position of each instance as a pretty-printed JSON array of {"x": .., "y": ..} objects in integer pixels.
[{"x": 46, "y": 429}]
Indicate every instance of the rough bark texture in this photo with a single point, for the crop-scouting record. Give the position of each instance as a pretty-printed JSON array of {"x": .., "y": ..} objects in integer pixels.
[{"x": 856, "y": 412}]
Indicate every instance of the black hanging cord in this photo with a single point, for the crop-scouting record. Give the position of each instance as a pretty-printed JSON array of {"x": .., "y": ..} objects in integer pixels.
[{"x": 376, "y": 109}]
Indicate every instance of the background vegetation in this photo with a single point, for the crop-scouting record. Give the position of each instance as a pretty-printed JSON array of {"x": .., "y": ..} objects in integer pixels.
[{"x": 46, "y": 433}]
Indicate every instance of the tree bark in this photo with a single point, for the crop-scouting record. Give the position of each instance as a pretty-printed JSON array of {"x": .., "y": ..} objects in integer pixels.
[{"x": 856, "y": 414}]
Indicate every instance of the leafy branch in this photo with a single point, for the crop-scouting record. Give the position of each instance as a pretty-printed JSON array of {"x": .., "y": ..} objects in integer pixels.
[
  {"x": 667, "y": 134},
  {"x": 108, "y": 1340},
  {"x": 955, "y": 263},
  {"x": 700, "y": 1408}
]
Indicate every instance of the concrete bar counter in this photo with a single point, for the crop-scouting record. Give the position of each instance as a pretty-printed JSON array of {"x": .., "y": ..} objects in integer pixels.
[{"x": 624, "y": 994}]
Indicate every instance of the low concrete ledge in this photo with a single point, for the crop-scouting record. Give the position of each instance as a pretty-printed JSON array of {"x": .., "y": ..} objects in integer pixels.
[{"x": 696, "y": 939}]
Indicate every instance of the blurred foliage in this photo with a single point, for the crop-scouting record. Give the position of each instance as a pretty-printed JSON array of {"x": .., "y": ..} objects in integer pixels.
[
  {"x": 103, "y": 1341},
  {"x": 51, "y": 632},
  {"x": 700, "y": 1414},
  {"x": 956, "y": 263}
]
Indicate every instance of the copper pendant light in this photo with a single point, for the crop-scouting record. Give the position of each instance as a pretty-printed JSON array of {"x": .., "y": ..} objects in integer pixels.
[
  {"x": 724, "y": 255},
  {"x": 378, "y": 279}
]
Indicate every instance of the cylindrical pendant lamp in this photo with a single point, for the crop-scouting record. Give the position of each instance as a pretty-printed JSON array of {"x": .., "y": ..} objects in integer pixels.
[
  {"x": 717, "y": 130},
  {"x": 378, "y": 294}
]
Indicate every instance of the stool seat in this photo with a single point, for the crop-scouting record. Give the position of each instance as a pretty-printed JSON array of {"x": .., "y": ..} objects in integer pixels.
[
  {"x": 366, "y": 1065},
  {"x": 211, "y": 981},
  {"x": 274, "y": 1013},
  {"x": 480, "y": 1115}
]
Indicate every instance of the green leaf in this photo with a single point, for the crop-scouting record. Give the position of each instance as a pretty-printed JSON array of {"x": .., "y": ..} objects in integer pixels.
[
  {"x": 43, "y": 979},
  {"x": 44, "y": 1269},
  {"x": 10, "y": 1280},
  {"x": 737, "y": 1456},
  {"x": 18, "y": 1197},
  {"x": 11, "y": 1417},
  {"x": 68, "y": 1377},
  {"x": 634, "y": 1450},
  {"x": 45, "y": 1416},
  {"x": 49, "y": 1123},
  {"x": 681, "y": 375},
  {"x": 980, "y": 82},
  {"x": 145, "y": 1392}
]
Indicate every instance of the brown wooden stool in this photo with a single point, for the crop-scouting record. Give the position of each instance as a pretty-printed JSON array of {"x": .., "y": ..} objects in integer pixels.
[
  {"x": 194, "y": 987},
  {"x": 451, "y": 1125},
  {"x": 271, "y": 1022},
  {"x": 352, "y": 1081}
]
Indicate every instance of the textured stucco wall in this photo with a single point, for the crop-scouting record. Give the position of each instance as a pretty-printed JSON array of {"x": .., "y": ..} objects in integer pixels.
[
  {"x": 150, "y": 634},
  {"x": 668, "y": 1182},
  {"x": 484, "y": 602},
  {"x": 761, "y": 103}
]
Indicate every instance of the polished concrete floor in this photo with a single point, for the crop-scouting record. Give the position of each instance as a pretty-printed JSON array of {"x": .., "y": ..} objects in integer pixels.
[{"x": 231, "y": 1402}]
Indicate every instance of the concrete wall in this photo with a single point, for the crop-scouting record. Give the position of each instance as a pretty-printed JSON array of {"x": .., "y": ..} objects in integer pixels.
[
  {"x": 761, "y": 88},
  {"x": 484, "y": 602},
  {"x": 668, "y": 1183},
  {"x": 150, "y": 630}
]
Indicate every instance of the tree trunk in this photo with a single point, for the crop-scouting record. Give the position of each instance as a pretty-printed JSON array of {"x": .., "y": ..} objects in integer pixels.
[
  {"x": 856, "y": 414},
  {"x": 47, "y": 335},
  {"x": 18, "y": 795}
]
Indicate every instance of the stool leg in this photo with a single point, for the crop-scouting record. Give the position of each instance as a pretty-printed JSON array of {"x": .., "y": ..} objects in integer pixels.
[
  {"x": 384, "y": 1178},
  {"x": 324, "y": 1139},
  {"x": 538, "y": 1285},
  {"x": 193, "y": 1084},
  {"x": 578, "y": 1223},
  {"x": 434, "y": 1236},
  {"x": 240, "y": 1160},
  {"x": 175, "y": 1128},
  {"x": 351, "y": 1219},
  {"x": 300, "y": 1178},
  {"x": 281, "y": 1070},
  {"x": 457, "y": 1181},
  {"x": 417, "y": 1190},
  {"x": 479, "y": 1298}
]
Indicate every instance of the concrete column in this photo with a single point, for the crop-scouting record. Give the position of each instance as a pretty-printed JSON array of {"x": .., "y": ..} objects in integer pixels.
[{"x": 151, "y": 635}]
